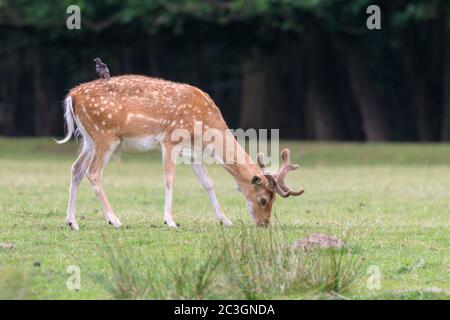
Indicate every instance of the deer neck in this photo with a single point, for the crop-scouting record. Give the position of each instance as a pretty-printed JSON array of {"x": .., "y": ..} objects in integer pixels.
[{"x": 237, "y": 162}]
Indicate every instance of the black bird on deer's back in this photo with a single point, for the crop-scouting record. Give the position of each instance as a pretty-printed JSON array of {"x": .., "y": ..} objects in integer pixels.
[{"x": 101, "y": 69}]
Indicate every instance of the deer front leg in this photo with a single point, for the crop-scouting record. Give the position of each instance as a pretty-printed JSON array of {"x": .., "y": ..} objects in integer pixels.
[
  {"x": 203, "y": 176},
  {"x": 169, "y": 167},
  {"x": 101, "y": 156},
  {"x": 78, "y": 169}
]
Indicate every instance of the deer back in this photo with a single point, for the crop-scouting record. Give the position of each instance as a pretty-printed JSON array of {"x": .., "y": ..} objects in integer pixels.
[{"x": 132, "y": 106}]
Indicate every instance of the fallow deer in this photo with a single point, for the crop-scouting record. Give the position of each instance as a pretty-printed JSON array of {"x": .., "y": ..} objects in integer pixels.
[{"x": 134, "y": 112}]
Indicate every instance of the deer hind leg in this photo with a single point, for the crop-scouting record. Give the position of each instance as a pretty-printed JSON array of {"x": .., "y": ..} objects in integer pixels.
[
  {"x": 202, "y": 175},
  {"x": 169, "y": 167},
  {"x": 78, "y": 169},
  {"x": 101, "y": 156}
]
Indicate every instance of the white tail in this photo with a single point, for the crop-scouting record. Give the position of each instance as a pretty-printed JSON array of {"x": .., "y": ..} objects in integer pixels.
[{"x": 69, "y": 119}]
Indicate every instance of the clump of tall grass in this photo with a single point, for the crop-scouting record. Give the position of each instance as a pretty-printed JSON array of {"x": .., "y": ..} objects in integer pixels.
[
  {"x": 246, "y": 262},
  {"x": 193, "y": 277},
  {"x": 256, "y": 261},
  {"x": 124, "y": 280},
  {"x": 328, "y": 270},
  {"x": 162, "y": 278},
  {"x": 263, "y": 263}
]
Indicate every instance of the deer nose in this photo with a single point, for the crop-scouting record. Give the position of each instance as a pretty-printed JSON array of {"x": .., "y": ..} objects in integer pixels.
[{"x": 263, "y": 223}]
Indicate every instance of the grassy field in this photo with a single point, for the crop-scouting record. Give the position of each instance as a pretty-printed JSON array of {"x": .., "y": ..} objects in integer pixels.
[{"x": 391, "y": 203}]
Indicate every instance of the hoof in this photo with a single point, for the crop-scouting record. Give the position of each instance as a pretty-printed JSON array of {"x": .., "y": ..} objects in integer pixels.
[
  {"x": 171, "y": 224},
  {"x": 115, "y": 222},
  {"x": 73, "y": 225},
  {"x": 226, "y": 223}
]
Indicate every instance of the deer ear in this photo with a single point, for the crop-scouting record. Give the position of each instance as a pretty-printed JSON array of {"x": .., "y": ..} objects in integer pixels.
[{"x": 256, "y": 180}]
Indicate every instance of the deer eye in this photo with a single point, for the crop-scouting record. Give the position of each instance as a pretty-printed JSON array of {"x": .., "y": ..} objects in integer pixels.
[
  {"x": 256, "y": 180},
  {"x": 262, "y": 201}
]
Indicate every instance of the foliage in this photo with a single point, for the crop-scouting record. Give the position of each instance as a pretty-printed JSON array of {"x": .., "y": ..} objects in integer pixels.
[
  {"x": 155, "y": 15},
  {"x": 209, "y": 43}
]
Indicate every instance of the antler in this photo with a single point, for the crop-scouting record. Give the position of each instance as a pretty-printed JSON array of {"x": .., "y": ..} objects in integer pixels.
[
  {"x": 261, "y": 162},
  {"x": 276, "y": 182},
  {"x": 285, "y": 168}
]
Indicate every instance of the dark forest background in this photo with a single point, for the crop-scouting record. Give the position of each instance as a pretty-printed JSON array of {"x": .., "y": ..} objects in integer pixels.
[{"x": 308, "y": 67}]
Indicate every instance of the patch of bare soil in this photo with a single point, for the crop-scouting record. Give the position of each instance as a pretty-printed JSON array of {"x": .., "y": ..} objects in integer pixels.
[
  {"x": 321, "y": 241},
  {"x": 6, "y": 246}
]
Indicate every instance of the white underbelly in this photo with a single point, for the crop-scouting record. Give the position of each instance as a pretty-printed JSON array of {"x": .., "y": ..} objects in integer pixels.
[{"x": 140, "y": 144}]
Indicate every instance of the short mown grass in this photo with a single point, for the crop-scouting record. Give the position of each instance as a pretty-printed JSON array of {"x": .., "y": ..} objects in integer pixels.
[{"x": 390, "y": 202}]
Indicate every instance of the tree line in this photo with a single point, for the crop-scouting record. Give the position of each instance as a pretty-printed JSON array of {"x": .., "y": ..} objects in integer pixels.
[{"x": 309, "y": 67}]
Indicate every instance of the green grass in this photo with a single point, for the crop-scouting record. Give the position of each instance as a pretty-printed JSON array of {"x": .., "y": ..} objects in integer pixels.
[{"x": 391, "y": 202}]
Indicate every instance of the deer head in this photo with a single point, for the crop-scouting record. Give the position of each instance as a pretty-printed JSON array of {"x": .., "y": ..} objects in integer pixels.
[{"x": 261, "y": 195}]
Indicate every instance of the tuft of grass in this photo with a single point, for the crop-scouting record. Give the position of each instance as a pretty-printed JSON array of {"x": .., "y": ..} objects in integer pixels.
[
  {"x": 257, "y": 261},
  {"x": 125, "y": 281},
  {"x": 263, "y": 264},
  {"x": 192, "y": 278},
  {"x": 254, "y": 263},
  {"x": 329, "y": 270},
  {"x": 189, "y": 278}
]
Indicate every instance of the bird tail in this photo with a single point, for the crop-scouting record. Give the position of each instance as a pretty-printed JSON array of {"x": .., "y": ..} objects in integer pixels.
[{"x": 69, "y": 119}]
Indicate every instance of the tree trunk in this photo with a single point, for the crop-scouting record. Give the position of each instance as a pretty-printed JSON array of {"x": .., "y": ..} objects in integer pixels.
[
  {"x": 127, "y": 59},
  {"x": 422, "y": 108},
  {"x": 41, "y": 125},
  {"x": 295, "y": 101},
  {"x": 153, "y": 61},
  {"x": 446, "y": 89},
  {"x": 321, "y": 109},
  {"x": 421, "y": 56},
  {"x": 253, "y": 106},
  {"x": 374, "y": 121},
  {"x": 11, "y": 96}
]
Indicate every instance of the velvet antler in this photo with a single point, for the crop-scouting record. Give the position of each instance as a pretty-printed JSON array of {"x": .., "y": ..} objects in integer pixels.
[{"x": 276, "y": 181}]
